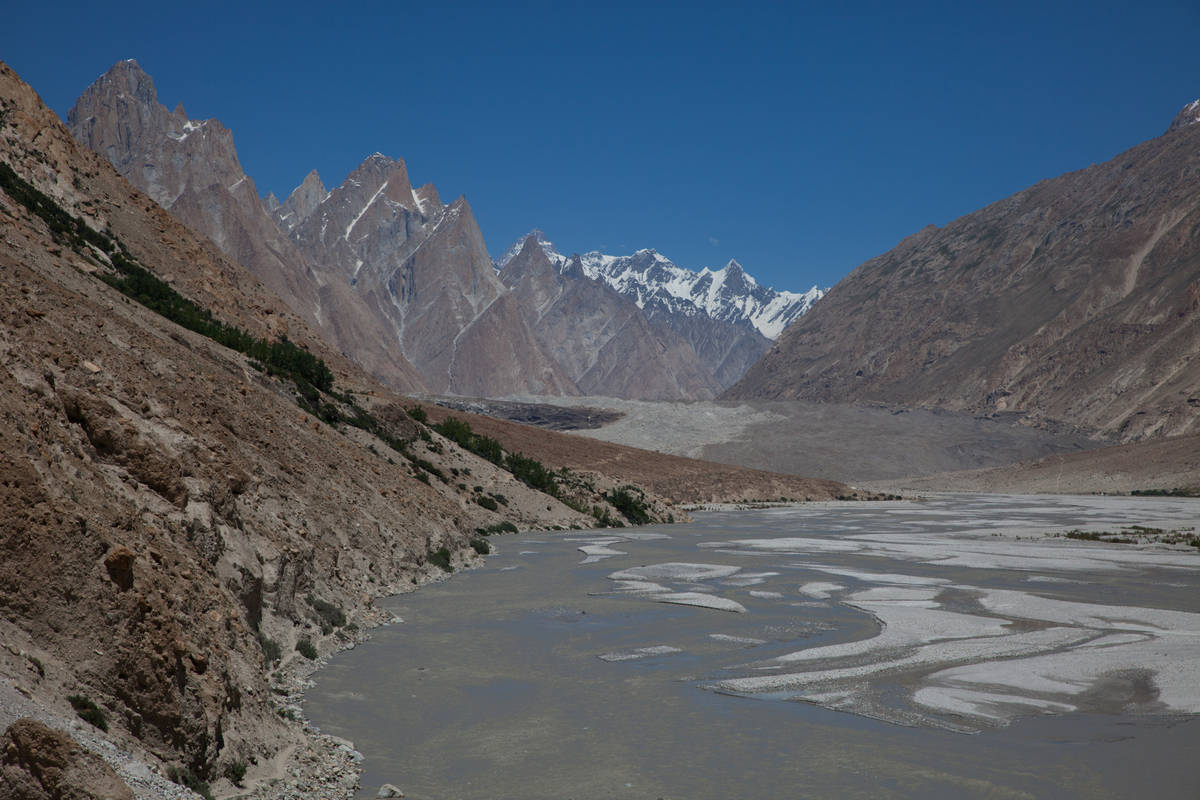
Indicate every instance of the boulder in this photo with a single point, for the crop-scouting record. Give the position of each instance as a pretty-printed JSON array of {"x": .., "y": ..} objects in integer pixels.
[{"x": 39, "y": 763}]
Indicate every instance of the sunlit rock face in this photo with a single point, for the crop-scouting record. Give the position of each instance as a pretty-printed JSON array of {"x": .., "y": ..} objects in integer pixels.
[{"x": 191, "y": 168}]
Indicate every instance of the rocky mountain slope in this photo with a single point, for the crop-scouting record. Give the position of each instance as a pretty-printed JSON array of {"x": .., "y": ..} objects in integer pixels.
[
  {"x": 423, "y": 269},
  {"x": 167, "y": 504},
  {"x": 193, "y": 484},
  {"x": 190, "y": 168},
  {"x": 1075, "y": 300},
  {"x": 395, "y": 278},
  {"x": 727, "y": 318}
]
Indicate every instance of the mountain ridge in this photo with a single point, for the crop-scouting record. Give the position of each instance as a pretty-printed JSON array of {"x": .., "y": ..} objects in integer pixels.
[
  {"x": 683, "y": 290},
  {"x": 1074, "y": 300},
  {"x": 721, "y": 313},
  {"x": 191, "y": 169},
  {"x": 403, "y": 283}
]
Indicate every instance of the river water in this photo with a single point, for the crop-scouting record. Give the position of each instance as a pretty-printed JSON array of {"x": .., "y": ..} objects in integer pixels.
[{"x": 948, "y": 648}]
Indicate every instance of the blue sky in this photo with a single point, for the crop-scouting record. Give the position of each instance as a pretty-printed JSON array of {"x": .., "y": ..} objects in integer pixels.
[{"x": 801, "y": 139}]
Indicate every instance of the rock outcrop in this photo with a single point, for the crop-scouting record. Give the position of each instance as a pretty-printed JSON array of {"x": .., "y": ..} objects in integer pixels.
[
  {"x": 424, "y": 270},
  {"x": 39, "y": 763}
]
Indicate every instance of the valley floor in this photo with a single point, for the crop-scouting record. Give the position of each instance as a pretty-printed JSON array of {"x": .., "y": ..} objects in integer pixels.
[{"x": 851, "y": 443}]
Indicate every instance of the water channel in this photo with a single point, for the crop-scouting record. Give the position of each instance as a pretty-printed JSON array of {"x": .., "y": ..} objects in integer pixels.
[{"x": 948, "y": 648}]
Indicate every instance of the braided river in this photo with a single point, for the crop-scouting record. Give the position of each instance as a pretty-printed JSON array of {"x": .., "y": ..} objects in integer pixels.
[{"x": 953, "y": 647}]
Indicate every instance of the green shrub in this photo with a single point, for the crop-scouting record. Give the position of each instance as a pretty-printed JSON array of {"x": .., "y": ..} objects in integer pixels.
[
  {"x": 441, "y": 558},
  {"x": 481, "y": 546},
  {"x": 459, "y": 432},
  {"x": 417, "y": 413},
  {"x": 88, "y": 711},
  {"x": 306, "y": 648},
  {"x": 422, "y": 464},
  {"x": 486, "y": 502},
  {"x": 630, "y": 507},
  {"x": 532, "y": 473},
  {"x": 272, "y": 652},
  {"x": 235, "y": 771},
  {"x": 604, "y": 519},
  {"x": 499, "y": 527},
  {"x": 185, "y": 777},
  {"x": 329, "y": 615}
]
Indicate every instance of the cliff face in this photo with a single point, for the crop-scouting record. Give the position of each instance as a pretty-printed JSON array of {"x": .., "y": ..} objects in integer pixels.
[
  {"x": 424, "y": 271},
  {"x": 1076, "y": 300}
]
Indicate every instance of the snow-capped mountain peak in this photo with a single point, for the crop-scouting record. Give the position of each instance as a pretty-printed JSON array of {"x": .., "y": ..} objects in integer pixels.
[
  {"x": 658, "y": 285},
  {"x": 556, "y": 258}
]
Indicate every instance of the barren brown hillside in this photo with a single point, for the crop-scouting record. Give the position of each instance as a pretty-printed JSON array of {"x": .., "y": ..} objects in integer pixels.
[{"x": 1076, "y": 300}]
